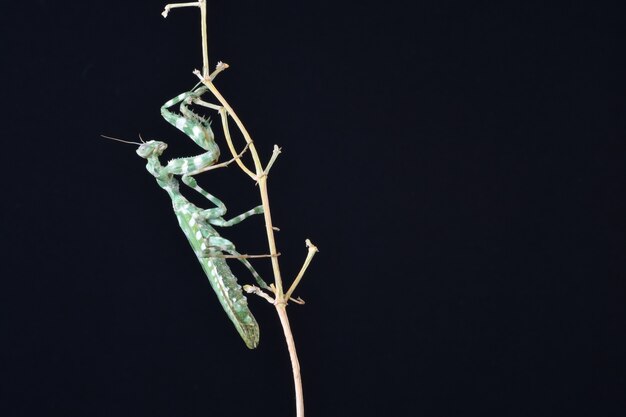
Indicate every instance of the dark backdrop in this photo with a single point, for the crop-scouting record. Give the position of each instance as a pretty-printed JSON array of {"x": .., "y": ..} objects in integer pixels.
[{"x": 460, "y": 166}]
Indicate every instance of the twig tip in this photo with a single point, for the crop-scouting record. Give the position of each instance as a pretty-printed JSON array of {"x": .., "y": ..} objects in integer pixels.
[{"x": 311, "y": 246}]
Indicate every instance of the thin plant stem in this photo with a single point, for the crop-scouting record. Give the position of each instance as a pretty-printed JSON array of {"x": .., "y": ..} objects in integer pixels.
[
  {"x": 293, "y": 355},
  {"x": 205, "y": 42}
]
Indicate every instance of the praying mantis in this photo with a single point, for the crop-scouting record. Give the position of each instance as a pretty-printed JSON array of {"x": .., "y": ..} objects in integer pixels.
[{"x": 196, "y": 223}]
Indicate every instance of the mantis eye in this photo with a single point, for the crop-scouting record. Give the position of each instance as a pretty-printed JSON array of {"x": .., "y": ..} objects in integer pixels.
[
  {"x": 144, "y": 150},
  {"x": 150, "y": 148}
]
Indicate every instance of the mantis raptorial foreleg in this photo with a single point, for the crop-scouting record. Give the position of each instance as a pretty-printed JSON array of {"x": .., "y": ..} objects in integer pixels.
[
  {"x": 191, "y": 124},
  {"x": 199, "y": 130}
]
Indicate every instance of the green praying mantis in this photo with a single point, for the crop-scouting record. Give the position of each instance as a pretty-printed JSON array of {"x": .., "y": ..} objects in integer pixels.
[{"x": 196, "y": 223}]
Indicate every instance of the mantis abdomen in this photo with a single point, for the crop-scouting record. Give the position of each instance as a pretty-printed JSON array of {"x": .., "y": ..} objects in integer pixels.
[
  {"x": 207, "y": 243},
  {"x": 232, "y": 299}
]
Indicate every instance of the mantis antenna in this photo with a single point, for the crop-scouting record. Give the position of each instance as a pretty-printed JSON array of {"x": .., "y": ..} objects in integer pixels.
[{"x": 125, "y": 141}]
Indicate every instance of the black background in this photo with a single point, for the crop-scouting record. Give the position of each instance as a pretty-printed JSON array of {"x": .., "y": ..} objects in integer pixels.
[{"x": 459, "y": 164}]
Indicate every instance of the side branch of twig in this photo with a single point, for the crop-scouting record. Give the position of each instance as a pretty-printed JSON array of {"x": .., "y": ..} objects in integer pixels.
[{"x": 309, "y": 257}]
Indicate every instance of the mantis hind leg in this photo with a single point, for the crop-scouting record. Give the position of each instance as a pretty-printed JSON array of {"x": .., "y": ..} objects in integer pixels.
[
  {"x": 212, "y": 247},
  {"x": 253, "y": 271}
]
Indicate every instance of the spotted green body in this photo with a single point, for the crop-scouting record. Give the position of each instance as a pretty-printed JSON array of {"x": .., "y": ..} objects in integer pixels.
[{"x": 196, "y": 223}]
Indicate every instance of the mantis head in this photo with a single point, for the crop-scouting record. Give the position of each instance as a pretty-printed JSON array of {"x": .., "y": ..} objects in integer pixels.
[{"x": 152, "y": 148}]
